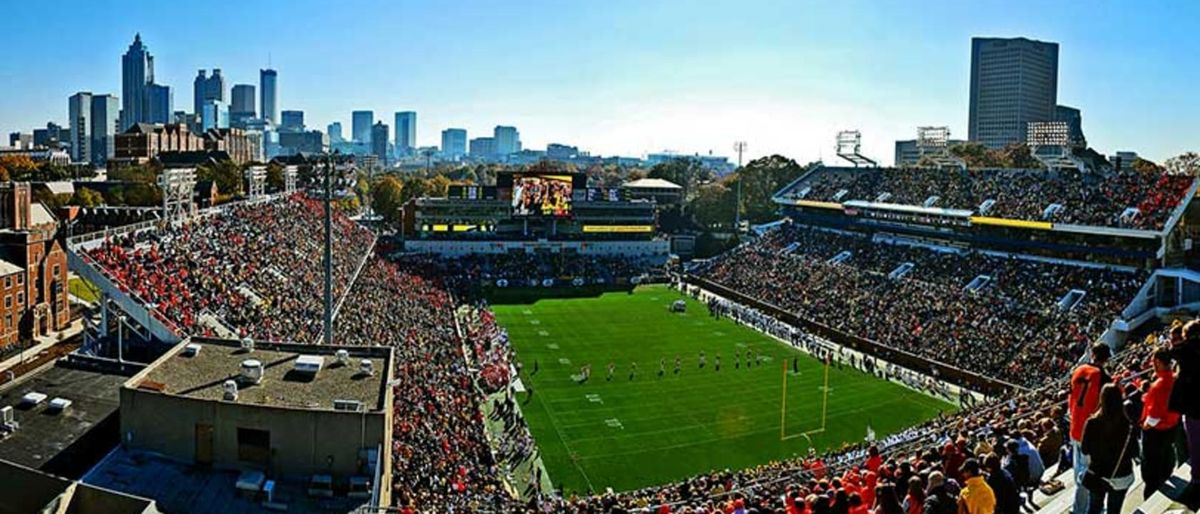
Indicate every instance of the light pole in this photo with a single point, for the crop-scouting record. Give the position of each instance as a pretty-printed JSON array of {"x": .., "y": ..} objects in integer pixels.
[
  {"x": 328, "y": 250},
  {"x": 738, "y": 147}
]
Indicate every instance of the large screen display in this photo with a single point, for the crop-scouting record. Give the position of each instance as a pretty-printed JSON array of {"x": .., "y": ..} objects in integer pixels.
[{"x": 542, "y": 195}]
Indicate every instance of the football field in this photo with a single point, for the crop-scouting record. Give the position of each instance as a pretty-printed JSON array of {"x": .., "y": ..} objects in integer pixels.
[{"x": 643, "y": 427}]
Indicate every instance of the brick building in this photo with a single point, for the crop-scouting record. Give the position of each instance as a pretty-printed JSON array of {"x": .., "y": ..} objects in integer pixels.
[
  {"x": 144, "y": 141},
  {"x": 33, "y": 268}
]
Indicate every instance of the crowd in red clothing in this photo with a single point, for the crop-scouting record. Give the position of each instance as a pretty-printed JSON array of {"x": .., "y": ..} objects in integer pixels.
[
  {"x": 1011, "y": 327},
  {"x": 441, "y": 458},
  {"x": 255, "y": 268},
  {"x": 1087, "y": 198}
]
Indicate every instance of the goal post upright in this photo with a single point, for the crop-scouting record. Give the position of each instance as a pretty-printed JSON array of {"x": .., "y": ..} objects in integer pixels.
[{"x": 783, "y": 405}]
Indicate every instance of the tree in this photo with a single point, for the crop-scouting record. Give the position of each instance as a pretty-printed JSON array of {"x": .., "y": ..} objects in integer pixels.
[
  {"x": 362, "y": 187},
  {"x": 227, "y": 175},
  {"x": 85, "y": 197},
  {"x": 1183, "y": 164},
  {"x": 713, "y": 205},
  {"x": 275, "y": 179},
  {"x": 438, "y": 186},
  {"x": 683, "y": 171},
  {"x": 760, "y": 179},
  {"x": 1141, "y": 165},
  {"x": 386, "y": 198},
  {"x": 18, "y": 166},
  {"x": 1018, "y": 155},
  {"x": 143, "y": 195},
  {"x": 145, "y": 173},
  {"x": 976, "y": 155}
]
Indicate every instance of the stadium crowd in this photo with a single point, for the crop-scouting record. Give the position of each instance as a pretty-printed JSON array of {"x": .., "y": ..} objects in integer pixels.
[
  {"x": 441, "y": 456},
  {"x": 254, "y": 268},
  {"x": 1007, "y": 326},
  {"x": 1086, "y": 198},
  {"x": 466, "y": 273}
]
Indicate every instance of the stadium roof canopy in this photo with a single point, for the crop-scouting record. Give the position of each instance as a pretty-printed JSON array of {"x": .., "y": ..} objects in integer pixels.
[{"x": 652, "y": 183}]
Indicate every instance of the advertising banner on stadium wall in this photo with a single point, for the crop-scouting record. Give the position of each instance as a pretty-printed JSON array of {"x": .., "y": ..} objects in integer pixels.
[
  {"x": 1007, "y": 222},
  {"x": 618, "y": 229}
]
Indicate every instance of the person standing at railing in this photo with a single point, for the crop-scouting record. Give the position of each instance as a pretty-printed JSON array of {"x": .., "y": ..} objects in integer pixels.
[{"x": 1185, "y": 399}]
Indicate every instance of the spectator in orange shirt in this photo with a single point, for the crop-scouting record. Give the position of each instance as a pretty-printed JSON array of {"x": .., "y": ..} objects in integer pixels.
[
  {"x": 1159, "y": 425},
  {"x": 1086, "y": 381}
]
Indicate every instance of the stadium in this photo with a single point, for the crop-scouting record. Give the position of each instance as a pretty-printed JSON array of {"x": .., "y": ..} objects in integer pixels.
[{"x": 536, "y": 345}]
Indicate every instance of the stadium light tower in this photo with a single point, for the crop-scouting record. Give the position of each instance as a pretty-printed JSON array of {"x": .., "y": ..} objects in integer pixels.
[
  {"x": 740, "y": 148},
  {"x": 328, "y": 250}
]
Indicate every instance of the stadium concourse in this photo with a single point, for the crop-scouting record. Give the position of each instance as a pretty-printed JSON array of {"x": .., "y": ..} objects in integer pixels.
[{"x": 251, "y": 268}]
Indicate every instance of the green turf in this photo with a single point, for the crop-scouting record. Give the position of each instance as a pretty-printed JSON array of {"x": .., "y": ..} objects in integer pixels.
[{"x": 627, "y": 434}]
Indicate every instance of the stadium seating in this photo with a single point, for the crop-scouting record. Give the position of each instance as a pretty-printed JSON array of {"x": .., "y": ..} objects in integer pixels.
[
  {"x": 1010, "y": 328},
  {"x": 1086, "y": 199},
  {"x": 254, "y": 269}
]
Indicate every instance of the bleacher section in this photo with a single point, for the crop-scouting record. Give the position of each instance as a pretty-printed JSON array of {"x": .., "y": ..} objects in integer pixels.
[
  {"x": 1026, "y": 323},
  {"x": 1066, "y": 197}
]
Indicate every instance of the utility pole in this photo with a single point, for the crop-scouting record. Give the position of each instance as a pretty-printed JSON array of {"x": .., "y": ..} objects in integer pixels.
[
  {"x": 738, "y": 147},
  {"x": 328, "y": 251}
]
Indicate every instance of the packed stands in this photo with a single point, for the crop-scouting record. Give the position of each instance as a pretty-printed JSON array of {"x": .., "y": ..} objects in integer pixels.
[
  {"x": 253, "y": 268},
  {"x": 1010, "y": 327},
  {"x": 465, "y": 273},
  {"x": 1086, "y": 199}
]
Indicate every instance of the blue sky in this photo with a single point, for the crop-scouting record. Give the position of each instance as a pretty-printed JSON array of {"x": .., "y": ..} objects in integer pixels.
[{"x": 626, "y": 77}]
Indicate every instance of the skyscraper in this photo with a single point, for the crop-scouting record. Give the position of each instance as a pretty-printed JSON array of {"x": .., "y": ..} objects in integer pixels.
[
  {"x": 293, "y": 121},
  {"x": 507, "y": 140},
  {"x": 454, "y": 143},
  {"x": 105, "y": 125},
  {"x": 334, "y": 130},
  {"x": 214, "y": 114},
  {"x": 160, "y": 104},
  {"x": 360, "y": 126},
  {"x": 406, "y": 133},
  {"x": 266, "y": 85},
  {"x": 241, "y": 102},
  {"x": 137, "y": 70},
  {"x": 1014, "y": 81},
  {"x": 1074, "y": 121},
  {"x": 206, "y": 88},
  {"x": 79, "y": 112},
  {"x": 379, "y": 141}
]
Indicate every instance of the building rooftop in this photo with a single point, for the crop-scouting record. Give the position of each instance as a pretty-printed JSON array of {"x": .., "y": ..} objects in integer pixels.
[
  {"x": 202, "y": 375},
  {"x": 65, "y": 443},
  {"x": 179, "y": 487},
  {"x": 652, "y": 183}
]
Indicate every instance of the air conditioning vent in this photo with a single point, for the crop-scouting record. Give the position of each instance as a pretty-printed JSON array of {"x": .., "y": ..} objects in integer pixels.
[{"x": 348, "y": 405}]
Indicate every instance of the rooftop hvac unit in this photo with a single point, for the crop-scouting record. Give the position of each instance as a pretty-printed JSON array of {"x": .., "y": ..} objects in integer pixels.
[
  {"x": 252, "y": 371},
  {"x": 309, "y": 363},
  {"x": 348, "y": 405},
  {"x": 366, "y": 367},
  {"x": 191, "y": 350},
  {"x": 33, "y": 399},
  {"x": 343, "y": 357},
  {"x": 231, "y": 390},
  {"x": 59, "y": 404},
  {"x": 248, "y": 344}
]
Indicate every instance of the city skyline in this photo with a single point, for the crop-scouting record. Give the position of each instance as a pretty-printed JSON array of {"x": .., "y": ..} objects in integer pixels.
[{"x": 618, "y": 81}]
